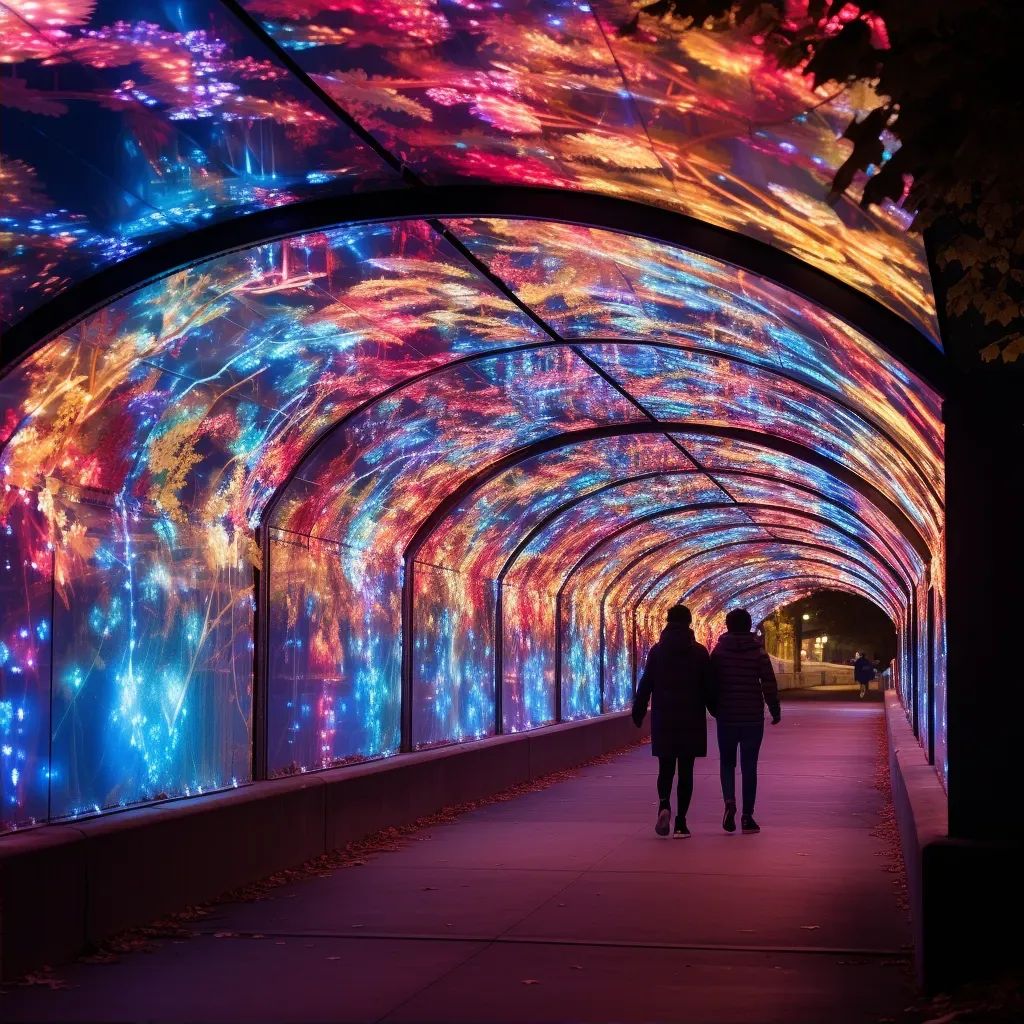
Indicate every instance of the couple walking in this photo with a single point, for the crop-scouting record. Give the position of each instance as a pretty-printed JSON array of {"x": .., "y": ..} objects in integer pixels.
[{"x": 734, "y": 683}]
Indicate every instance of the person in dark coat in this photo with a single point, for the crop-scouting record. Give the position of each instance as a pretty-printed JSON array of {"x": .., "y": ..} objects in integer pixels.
[
  {"x": 744, "y": 682},
  {"x": 677, "y": 682},
  {"x": 863, "y": 673}
]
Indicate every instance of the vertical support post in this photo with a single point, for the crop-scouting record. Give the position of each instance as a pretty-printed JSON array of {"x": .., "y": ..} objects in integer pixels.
[
  {"x": 408, "y": 653},
  {"x": 984, "y": 564},
  {"x": 558, "y": 656},
  {"x": 931, "y": 675},
  {"x": 260, "y": 656},
  {"x": 636, "y": 667},
  {"x": 499, "y": 650},
  {"x": 915, "y": 704},
  {"x": 798, "y": 642},
  {"x": 984, "y": 604},
  {"x": 600, "y": 660},
  {"x": 49, "y": 718}
]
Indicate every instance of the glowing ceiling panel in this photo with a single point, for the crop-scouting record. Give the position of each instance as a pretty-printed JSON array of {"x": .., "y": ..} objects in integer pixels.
[
  {"x": 202, "y": 391},
  {"x": 484, "y": 530},
  {"x": 697, "y": 389},
  {"x": 592, "y": 284},
  {"x": 543, "y": 92},
  {"x": 374, "y": 479},
  {"x": 130, "y": 121}
]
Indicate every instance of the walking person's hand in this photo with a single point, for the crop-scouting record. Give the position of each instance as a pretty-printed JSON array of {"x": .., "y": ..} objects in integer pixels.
[{"x": 776, "y": 713}]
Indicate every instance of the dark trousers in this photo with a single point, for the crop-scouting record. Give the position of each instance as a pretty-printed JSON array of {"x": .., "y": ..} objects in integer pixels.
[
  {"x": 747, "y": 736},
  {"x": 666, "y": 769}
]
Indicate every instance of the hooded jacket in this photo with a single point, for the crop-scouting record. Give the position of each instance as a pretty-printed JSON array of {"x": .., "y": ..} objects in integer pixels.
[
  {"x": 744, "y": 680},
  {"x": 677, "y": 682},
  {"x": 863, "y": 670}
]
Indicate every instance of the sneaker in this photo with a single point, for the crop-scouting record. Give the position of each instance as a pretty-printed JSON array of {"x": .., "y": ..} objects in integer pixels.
[
  {"x": 729, "y": 818},
  {"x": 680, "y": 831},
  {"x": 748, "y": 824},
  {"x": 664, "y": 817}
]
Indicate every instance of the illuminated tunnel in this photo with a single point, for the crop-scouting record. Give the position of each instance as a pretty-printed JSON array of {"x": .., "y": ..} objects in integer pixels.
[{"x": 384, "y": 372}]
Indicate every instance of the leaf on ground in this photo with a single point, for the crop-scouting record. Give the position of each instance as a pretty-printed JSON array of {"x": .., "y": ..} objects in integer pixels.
[
  {"x": 225, "y": 935},
  {"x": 45, "y": 977},
  {"x": 429, "y": 888},
  {"x": 577, "y": 967},
  {"x": 530, "y": 981},
  {"x": 810, "y": 927},
  {"x": 334, "y": 958}
]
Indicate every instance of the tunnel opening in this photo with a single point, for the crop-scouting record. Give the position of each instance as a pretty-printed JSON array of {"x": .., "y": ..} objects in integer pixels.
[{"x": 816, "y": 640}]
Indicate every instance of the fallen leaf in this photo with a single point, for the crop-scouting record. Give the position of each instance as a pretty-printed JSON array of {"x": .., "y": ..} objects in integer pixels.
[
  {"x": 577, "y": 967},
  {"x": 429, "y": 888},
  {"x": 45, "y": 976},
  {"x": 530, "y": 981},
  {"x": 810, "y": 927},
  {"x": 225, "y": 935},
  {"x": 334, "y": 958},
  {"x": 746, "y": 929}
]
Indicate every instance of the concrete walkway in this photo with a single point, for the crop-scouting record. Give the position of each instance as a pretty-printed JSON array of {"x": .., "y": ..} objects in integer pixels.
[{"x": 563, "y": 905}]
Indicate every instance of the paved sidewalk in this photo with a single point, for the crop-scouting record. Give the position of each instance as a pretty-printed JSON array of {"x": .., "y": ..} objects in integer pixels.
[{"x": 562, "y": 905}]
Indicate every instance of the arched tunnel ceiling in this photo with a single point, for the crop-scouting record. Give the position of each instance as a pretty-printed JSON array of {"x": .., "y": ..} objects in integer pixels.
[
  {"x": 130, "y": 123},
  {"x": 358, "y": 378},
  {"x": 481, "y": 453}
]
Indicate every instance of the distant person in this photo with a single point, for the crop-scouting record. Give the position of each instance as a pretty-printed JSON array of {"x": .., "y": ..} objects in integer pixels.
[
  {"x": 677, "y": 682},
  {"x": 863, "y": 673},
  {"x": 744, "y": 683}
]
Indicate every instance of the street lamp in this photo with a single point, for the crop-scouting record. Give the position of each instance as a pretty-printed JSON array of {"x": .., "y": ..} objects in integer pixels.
[{"x": 807, "y": 617}]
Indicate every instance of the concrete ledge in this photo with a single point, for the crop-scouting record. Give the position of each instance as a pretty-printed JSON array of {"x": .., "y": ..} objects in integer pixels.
[
  {"x": 66, "y": 887},
  {"x": 966, "y": 896}
]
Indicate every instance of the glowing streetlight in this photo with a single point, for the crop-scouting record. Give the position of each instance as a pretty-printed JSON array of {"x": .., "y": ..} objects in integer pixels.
[{"x": 807, "y": 617}]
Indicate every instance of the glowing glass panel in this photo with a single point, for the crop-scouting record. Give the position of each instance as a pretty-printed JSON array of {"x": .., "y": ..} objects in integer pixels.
[
  {"x": 589, "y": 283},
  {"x": 334, "y": 678},
  {"x": 542, "y": 92},
  {"x": 692, "y": 388},
  {"x": 26, "y": 588},
  {"x": 130, "y": 121},
  {"x": 204, "y": 390},
  {"x": 484, "y": 530},
  {"x": 453, "y": 657},
  {"x": 152, "y": 659}
]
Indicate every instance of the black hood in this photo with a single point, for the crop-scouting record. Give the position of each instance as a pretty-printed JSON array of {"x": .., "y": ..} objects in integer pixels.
[
  {"x": 739, "y": 642},
  {"x": 677, "y": 633}
]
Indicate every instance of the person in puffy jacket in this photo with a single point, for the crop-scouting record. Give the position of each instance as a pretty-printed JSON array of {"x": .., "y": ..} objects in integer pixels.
[
  {"x": 744, "y": 682},
  {"x": 677, "y": 682}
]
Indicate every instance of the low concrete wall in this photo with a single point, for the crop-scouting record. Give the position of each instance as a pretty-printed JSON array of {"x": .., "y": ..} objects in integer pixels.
[
  {"x": 65, "y": 888},
  {"x": 966, "y": 896}
]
